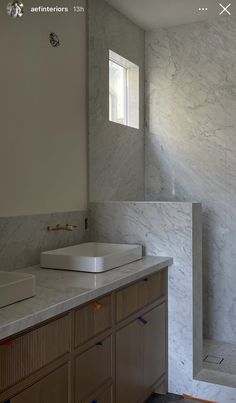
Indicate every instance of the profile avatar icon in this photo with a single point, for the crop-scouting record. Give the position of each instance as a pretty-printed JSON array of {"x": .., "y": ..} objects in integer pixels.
[
  {"x": 15, "y": 9},
  {"x": 54, "y": 39}
]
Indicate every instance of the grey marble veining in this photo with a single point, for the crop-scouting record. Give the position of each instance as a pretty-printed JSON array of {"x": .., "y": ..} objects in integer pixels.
[
  {"x": 22, "y": 238},
  {"x": 164, "y": 229},
  {"x": 116, "y": 152},
  {"x": 191, "y": 147},
  {"x": 58, "y": 291}
]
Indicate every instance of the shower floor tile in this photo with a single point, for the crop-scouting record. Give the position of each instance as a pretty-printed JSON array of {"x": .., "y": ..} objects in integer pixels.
[{"x": 219, "y": 356}]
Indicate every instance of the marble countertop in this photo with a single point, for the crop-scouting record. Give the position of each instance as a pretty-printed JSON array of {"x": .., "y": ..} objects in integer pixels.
[{"x": 59, "y": 291}]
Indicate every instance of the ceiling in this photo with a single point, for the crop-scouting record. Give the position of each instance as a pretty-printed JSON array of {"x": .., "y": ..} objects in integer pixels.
[{"x": 152, "y": 14}]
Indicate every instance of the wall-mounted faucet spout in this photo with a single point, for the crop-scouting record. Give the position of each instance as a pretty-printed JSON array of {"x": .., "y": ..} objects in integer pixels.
[{"x": 59, "y": 227}]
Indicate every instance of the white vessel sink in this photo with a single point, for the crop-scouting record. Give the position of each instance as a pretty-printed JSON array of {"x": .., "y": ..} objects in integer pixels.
[
  {"x": 91, "y": 257},
  {"x": 15, "y": 287}
]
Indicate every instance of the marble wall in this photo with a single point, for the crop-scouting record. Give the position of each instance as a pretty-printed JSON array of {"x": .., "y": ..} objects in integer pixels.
[
  {"x": 116, "y": 152},
  {"x": 165, "y": 229},
  {"x": 191, "y": 147},
  {"x": 24, "y": 237}
]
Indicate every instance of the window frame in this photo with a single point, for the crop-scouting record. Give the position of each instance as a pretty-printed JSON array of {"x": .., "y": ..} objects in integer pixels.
[{"x": 126, "y": 65}]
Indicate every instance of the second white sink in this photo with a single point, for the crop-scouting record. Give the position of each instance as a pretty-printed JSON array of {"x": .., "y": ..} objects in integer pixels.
[{"x": 91, "y": 257}]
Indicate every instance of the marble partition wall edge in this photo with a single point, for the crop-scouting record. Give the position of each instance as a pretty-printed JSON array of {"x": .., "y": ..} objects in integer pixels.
[
  {"x": 197, "y": 288},
  {"x": 22, "y": 238}
]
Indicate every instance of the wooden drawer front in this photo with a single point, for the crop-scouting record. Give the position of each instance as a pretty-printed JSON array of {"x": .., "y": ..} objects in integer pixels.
[
  {"x": 93, "y": 369},
  {"x": 152, "y": 288},
  {"x": 27, "y": 353},
  {"x": 136, "y": 296},
  {"x": 51, "y": 389},
  {"x": 105, "y": 397},
  {"x": 92, "y": 319}
]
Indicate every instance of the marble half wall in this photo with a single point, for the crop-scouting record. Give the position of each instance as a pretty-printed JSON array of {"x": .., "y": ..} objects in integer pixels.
[
  {"x": 116, "y": 152},
  {"x": 165, "y": 229},
  {"x": 191, "y": 147},
  {"x": 22, "y": 238}
]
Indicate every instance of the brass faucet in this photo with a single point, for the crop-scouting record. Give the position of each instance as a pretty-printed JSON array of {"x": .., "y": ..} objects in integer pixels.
[{"x": 59, "y": 227}]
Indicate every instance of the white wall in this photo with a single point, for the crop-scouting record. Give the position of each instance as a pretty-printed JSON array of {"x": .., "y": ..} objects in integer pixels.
[{"x": 43, "y": 113}]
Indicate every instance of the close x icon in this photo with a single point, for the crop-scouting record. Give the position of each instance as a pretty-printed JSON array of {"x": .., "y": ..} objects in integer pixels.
[{"x": 225, "y": 9}]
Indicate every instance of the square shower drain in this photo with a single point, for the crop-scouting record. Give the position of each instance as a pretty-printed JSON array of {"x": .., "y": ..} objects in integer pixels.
[{"x": 212, "y": 359}]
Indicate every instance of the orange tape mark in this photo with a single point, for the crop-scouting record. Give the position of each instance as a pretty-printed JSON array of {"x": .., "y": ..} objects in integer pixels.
[
  {"x": 96, "y": 306},
  {"x": 187, "y": 397},
  {"x": 8, "y": 342}
]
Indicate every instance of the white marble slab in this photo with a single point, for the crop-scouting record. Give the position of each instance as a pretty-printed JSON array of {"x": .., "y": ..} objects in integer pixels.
[
  {"x": 58, "y": 291},
  {"x": 116, "y": 151},
  {"x": 191, "y": 147}
]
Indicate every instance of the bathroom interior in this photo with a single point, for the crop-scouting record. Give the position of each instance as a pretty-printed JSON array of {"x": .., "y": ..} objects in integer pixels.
[{"x": 117, "y": 131}]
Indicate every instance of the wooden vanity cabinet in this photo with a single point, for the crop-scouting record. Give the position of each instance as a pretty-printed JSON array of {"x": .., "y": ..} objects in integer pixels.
[{"x": 111, "y": 350}]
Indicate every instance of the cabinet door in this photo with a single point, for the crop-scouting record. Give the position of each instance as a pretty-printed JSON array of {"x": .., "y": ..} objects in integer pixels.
[
  {"x": 154, "y": 344},
  {"x": 51, "y": 389},
  {"x": 129, "y": 363},
  {"x": 93, "y": 368}
]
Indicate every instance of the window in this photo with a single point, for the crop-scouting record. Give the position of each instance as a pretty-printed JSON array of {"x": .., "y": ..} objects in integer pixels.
[{"x": 123, "y": 91}]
